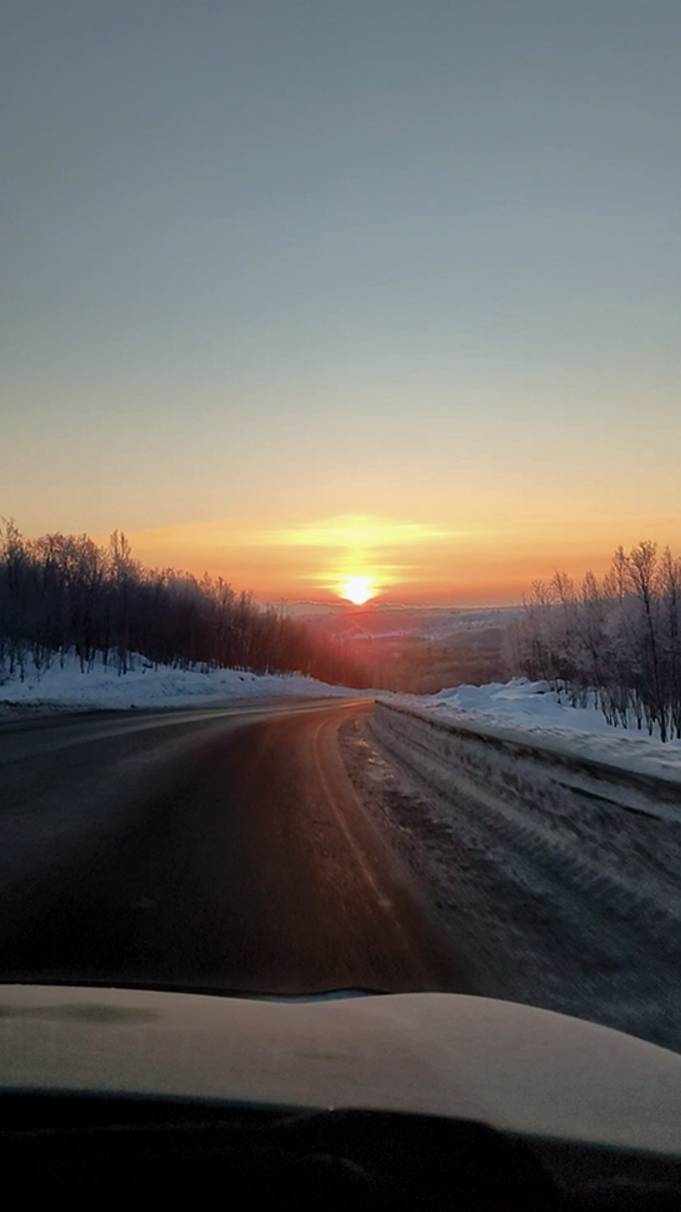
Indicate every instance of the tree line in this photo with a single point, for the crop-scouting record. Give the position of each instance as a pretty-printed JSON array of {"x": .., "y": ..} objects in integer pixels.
[
  {"x": 614, "y": 641},
  {"x": 63, "y": 594}
]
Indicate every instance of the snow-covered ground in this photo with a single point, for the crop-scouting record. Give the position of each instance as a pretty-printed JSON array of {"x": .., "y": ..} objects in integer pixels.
[
  {"x": 531, "y": 712},
  {"x": 143, "y": 686},
  {"x": 554, "y": 869},
  {"x": 524, "y": 702}
]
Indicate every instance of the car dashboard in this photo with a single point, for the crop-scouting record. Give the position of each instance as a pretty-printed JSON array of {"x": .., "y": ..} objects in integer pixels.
[{"x": 399, "y": 1101}]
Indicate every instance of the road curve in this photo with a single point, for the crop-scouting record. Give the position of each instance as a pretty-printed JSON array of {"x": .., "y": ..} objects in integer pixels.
[{"x": 222, "y": 848}]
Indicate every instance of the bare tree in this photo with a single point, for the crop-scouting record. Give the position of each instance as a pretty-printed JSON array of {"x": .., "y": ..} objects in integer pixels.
[
  {"x": 63, "y": 593},
  {"x": 618, "y": 640}
]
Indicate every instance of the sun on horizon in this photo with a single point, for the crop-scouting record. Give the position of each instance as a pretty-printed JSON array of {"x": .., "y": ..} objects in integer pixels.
[{"x": 357, "y": 589}]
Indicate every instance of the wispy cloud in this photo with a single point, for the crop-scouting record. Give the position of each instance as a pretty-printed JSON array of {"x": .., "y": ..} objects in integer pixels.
[
  {"x": 323, "y": 552},
  {"x": 384, "y": 550},
  {"x": 357, "y": 531}
]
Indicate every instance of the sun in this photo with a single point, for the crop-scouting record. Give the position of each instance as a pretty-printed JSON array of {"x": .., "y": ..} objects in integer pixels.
[{"x": 357, "y": 590}]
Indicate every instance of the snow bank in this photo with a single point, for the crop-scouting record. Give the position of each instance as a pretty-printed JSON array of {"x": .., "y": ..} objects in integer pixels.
[
  {"x": 555, "y": 877},
  {"x": 143, "y": 686},
  {"x": 530, "y": 714},
  {"x": 548, "y": 845}
]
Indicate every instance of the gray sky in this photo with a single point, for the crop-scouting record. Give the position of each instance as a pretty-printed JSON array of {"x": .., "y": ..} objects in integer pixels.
[{"x": 262, "y": 254}]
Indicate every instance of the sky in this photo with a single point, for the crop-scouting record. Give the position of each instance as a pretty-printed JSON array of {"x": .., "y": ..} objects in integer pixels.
[{"x": 302, "y": 290}]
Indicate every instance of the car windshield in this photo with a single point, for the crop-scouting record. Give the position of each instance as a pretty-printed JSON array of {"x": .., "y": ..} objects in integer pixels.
[{"x": 340, "y": 557}]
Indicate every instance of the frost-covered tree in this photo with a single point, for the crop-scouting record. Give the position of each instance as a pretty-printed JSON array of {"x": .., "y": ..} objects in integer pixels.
[
  {"x": 617, "y": 641},
  {"x": 64, "y": 594}
]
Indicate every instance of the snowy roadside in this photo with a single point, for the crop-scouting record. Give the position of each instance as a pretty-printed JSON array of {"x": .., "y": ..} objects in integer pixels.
[
  {"x": 66, "y": 688},
  {"x": 559, "y": 885},
  {"x": 531, "y": 714}
]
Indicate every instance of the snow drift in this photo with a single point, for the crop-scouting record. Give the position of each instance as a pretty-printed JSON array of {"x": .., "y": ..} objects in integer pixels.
[
  {"x": 65, "y": 686},
  {"x": 533, "y": 715}
]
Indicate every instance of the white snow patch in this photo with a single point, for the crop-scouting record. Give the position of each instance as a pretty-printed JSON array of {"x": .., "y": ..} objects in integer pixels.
[
  {"x": 532, "y": 713},
  {"x": 144, "y": 686}
]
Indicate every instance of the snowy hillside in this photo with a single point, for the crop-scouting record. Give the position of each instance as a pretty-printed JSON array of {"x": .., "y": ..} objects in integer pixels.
[{"x": 143, "y": 686}]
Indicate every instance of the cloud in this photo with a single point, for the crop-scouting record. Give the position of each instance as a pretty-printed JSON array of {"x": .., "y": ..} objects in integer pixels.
[
  {"x": 357, "y": 532},
  {"x": 385, "y": 550},
  {"x": 273, "y": 559}
]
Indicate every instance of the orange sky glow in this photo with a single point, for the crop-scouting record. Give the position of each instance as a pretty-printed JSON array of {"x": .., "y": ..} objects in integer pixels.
[
  {"x": 405, "y": 561},
  {"x": 298, "y": 300}
]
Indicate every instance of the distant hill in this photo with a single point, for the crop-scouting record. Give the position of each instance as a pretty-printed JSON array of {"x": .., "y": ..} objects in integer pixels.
[{"x": 418, "y": 649}]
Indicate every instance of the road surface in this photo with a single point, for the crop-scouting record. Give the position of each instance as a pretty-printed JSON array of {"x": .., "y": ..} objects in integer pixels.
[{"x": 222, "y": 848}]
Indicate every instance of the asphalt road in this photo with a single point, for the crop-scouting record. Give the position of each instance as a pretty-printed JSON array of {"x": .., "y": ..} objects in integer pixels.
[{"x": 217, "y": 849}]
